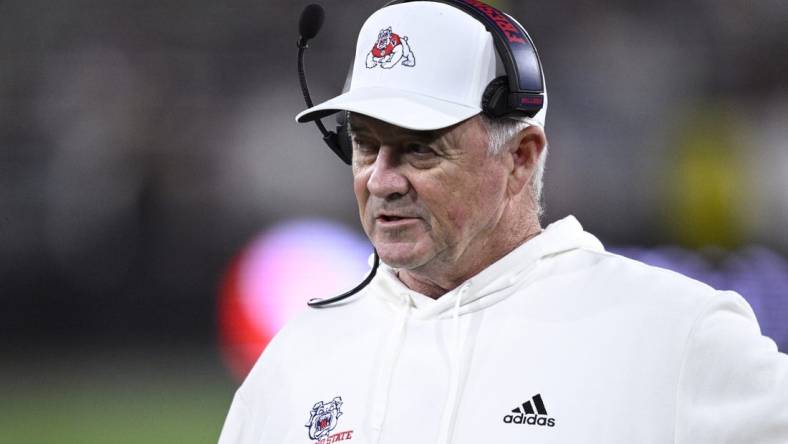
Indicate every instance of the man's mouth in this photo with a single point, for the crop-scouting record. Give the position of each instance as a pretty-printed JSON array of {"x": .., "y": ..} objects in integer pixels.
[
  {"x": 385, "y": 218},
  {"x": 394, "y": 220}
]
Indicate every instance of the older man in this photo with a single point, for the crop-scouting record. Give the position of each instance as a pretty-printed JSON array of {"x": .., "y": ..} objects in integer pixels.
[{"x": 480, "y": 326}]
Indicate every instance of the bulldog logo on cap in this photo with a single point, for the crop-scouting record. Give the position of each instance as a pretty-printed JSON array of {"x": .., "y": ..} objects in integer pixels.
[{"x": 389, "y": 50}]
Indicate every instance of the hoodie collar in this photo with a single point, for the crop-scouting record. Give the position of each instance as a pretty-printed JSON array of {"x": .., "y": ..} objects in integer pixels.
[{"x": 559, "y": 237}]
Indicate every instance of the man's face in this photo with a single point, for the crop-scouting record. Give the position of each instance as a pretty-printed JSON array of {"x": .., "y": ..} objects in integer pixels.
[{"x": 426, "y": 198}]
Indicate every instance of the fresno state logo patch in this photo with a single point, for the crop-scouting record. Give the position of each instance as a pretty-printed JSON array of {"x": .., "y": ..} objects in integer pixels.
[
  {"x": 323, "y": 419},
  {"x": 389, "y": 50}
]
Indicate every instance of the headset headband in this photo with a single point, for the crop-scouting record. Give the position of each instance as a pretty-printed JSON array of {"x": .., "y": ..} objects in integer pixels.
[{"x": 515, "y": 48}]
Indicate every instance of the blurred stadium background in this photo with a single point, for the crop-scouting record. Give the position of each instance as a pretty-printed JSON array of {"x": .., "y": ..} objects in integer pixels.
[{"x": 157, "y": 199}]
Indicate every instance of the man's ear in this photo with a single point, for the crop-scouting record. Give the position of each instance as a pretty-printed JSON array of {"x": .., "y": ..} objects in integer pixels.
[{"x": 525, "y": 150}]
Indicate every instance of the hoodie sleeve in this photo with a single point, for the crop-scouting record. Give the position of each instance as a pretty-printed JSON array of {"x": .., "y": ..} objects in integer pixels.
[
  {"x": 237, "y": 428},
  {"x": 733, "y": 386},
  {"x": 251, "y": 409}
]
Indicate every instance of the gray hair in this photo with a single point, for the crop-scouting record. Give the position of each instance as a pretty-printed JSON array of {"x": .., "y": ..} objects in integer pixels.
[{"x": 500, "y": 132}]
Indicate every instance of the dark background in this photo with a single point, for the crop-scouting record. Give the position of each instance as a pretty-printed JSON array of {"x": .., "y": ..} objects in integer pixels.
[{"x": 143, "y": 144}]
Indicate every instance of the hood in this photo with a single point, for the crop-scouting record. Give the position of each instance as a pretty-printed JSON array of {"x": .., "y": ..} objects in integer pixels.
[{"x": 491, "y": 283}]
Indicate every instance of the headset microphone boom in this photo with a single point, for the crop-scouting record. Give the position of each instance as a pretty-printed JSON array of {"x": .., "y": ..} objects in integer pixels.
[{"x": 308, "y": 26}]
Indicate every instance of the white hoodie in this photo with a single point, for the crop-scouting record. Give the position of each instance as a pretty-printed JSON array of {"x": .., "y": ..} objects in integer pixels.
[{"x": 557, "y": 342}]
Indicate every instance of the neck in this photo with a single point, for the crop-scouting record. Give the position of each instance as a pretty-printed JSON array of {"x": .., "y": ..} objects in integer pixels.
[{"x": 441, "y": 277}]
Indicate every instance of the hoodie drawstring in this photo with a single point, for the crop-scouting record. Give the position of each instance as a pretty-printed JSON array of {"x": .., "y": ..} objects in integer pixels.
[
  {"x": 450, "y": 410},
  {"x": 383, "y": 383}
]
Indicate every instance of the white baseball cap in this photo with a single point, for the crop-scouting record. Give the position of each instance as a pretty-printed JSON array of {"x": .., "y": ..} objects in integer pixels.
[{"x": 419, "y": 65}]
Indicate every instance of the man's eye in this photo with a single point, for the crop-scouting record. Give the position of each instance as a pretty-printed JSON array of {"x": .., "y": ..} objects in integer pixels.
[
  {"x": 419, "y": 148},
  {"x": 364, "y": 146}
]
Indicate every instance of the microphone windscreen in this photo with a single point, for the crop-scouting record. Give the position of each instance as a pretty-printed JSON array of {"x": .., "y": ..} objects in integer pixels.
[{"x": 311, "y": 21}]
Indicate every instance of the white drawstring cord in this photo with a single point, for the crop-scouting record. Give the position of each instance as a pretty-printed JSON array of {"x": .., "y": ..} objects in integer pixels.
[
  {"x": 450, "y": 410},
  {"x": 383, "y": 385}
]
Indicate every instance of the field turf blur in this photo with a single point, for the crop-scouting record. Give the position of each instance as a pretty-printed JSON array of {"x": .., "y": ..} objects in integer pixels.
[{"x": 103, "y": 397}]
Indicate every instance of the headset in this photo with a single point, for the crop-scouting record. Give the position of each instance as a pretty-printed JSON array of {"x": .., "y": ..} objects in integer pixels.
[{"x": 518, "y": 93}]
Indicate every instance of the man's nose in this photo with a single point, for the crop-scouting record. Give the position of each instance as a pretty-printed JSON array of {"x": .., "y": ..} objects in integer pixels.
[{"x": 387, "y": 179}]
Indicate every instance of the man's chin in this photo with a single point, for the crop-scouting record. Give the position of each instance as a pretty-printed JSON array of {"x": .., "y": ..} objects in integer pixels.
[{"x": 400, "y": 255}]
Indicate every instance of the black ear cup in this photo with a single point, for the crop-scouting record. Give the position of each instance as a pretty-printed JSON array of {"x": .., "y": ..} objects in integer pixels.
[
  {"x": 343, "y": 138},
  {"x": 339, "y": 141},
  {"x": 495, "y": 100}
]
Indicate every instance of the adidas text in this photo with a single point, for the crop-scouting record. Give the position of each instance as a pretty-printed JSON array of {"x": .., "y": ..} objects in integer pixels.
[{"x": 529, "y": 419}]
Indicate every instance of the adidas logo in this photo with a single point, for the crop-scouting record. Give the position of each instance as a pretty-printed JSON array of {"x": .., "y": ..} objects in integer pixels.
[{"x": 524, "y": 413}]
